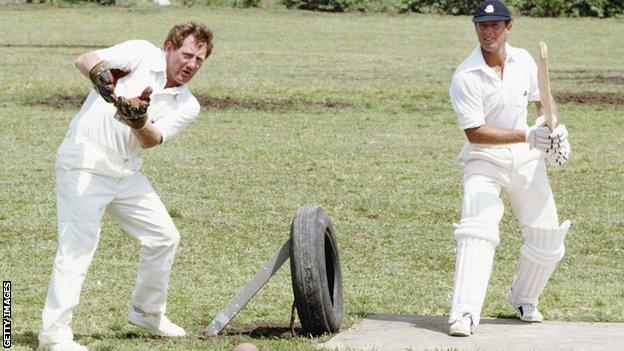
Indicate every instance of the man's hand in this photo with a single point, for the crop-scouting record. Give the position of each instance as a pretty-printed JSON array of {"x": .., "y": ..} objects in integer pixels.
[
  {"x": 559, "y": 155},
  {"x": 104, "y": 79},
  {"x": 539, "y": 136},
  {"x": 133, "y": 112},
  {"x": 538, "y": 131},
  {"x": 554, "y": 140}
]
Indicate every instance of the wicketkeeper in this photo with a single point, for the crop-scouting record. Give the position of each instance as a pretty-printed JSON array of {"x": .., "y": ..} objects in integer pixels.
[
  {"x": 490, "y": 92},
  {"x": 139, "y": 101}
]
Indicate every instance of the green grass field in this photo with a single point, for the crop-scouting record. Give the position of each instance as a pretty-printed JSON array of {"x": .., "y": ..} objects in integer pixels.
[{"x": 346, "y": 111}]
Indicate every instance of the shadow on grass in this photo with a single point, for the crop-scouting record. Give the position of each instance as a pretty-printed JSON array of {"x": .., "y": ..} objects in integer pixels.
[
  {"x": 122, "y": 335},
  {"x": 264, "y": 331},
  {"x": 29, "y": 338}
]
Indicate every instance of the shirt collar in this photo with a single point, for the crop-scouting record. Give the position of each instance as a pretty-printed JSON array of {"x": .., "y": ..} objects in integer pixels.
[
  {"x": 174, "y": 90},
  {"x": 477, "y": 62},
  {"x": 159, "y": 65},
  {"x": 512, "y": 53}
]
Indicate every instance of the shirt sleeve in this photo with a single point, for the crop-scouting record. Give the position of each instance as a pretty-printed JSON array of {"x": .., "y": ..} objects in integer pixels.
[
  {"x": 125, "y": 56},
  {"x": 467, "y": 101},
  {"x": 175, "y": 121},
  {"x": 534, "y": 95}
]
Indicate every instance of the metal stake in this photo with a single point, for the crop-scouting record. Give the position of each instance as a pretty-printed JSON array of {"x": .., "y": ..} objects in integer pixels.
[{"x": 249, "y": 291}]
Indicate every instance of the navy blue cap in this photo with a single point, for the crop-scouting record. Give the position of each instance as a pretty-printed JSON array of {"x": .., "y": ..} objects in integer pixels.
[{"x": 491, "y": 10}]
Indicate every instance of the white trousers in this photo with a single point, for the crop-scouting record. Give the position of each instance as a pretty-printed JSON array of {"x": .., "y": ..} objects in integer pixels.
[
  {"x": 89, "y": 182},
  {"x": 522, "y": 173}
]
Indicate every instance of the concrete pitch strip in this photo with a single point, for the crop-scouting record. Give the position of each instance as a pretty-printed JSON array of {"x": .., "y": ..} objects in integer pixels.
[{"x": 393, "y": 333}]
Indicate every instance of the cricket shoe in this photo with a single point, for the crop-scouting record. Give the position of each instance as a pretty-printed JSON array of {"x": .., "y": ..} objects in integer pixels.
[
  {"x": 529, "y": 313},
  {"x": 64, "y": 345},
  {"x": 464, "y": 326},
  {"x": 159, "y": 324}
]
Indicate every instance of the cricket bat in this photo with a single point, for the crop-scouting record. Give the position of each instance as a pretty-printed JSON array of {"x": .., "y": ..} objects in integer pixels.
[{"x": 543, "y": 80}]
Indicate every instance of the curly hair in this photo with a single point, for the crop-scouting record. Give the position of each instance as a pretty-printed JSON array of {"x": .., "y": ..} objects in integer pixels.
[{"x": 200, "y": 31}]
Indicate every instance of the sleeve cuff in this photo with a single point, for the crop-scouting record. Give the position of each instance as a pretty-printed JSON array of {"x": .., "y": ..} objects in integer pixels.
[
  {"x": 535, "y": 97},
  {"x": 164, "y": 137},
  {"x": 472, "y": 123}
]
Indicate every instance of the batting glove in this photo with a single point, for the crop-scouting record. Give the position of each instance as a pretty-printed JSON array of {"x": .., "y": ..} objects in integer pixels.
[
  {"x": 559, "y": 156},
  {"x": 554, "y": 140},
  {"x": 538, "y": 132}
]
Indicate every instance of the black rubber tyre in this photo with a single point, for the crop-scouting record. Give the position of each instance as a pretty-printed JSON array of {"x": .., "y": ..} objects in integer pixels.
[{"x": 315, "y": 271}]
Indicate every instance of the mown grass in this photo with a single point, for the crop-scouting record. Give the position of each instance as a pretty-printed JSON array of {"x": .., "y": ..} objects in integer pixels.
[{"x": 382, "y": 164}]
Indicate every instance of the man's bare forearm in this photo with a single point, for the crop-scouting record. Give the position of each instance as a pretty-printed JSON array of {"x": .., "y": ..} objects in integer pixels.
[
  {"x": 149, "y": 136},
  {"x": 85, "y": 62},
  {"x": 494, "y": 135}
]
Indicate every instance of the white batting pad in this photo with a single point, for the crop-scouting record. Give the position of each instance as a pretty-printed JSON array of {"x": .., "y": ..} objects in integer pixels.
[
  {"x": 539, "y": 254},
  {"x": 477, "y": 236},
  {"x": 473, "y": 266}
]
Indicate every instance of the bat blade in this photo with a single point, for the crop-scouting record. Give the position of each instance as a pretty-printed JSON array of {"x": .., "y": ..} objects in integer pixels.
[{"x": 544, "y": 87}]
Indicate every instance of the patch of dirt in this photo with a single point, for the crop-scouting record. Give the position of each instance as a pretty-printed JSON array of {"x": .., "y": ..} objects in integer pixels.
[
  {"x": 75, "y": 101},
  {"x": 589, "y": 98},
  {"x": 263, "y": 331},
  {"x": 61, "y": 101},
  {"x": 264, "y": 105},
  {"x": 53, "y": 46},
  {"x": 587, "y": 76}
]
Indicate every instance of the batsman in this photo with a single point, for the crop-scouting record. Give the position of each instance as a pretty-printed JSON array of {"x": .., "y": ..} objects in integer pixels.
[
  {"x": 139, "y": 101},
  {"x": 490, "y": 91}
]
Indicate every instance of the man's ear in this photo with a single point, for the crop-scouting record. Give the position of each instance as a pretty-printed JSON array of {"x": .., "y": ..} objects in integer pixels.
[{"x": 168, "y": 47}]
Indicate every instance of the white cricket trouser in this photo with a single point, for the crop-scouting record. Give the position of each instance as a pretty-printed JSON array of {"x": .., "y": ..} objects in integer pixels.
[
  {"x": 89, "y": 182},
  {"x": 522, "y": 172}
]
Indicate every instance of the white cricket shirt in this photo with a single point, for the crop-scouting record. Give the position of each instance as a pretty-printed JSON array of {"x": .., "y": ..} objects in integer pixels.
[
  {"x": 480, "y": 97},
  {"x": 170, "y": 110}
]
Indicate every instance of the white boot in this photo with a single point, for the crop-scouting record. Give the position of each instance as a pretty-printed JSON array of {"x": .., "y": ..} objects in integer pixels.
[
  {"x": 64, "y": 345},
  {"x": 156, "y": 323},
  {"x": 463, "y": 326},
  {"x": 530, "y": 313}
]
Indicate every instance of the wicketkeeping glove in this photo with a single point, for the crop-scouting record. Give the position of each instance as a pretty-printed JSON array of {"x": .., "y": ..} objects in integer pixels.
[
  {"x": 133, "y": 112},
  {"x": 104, "y": 79}
]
